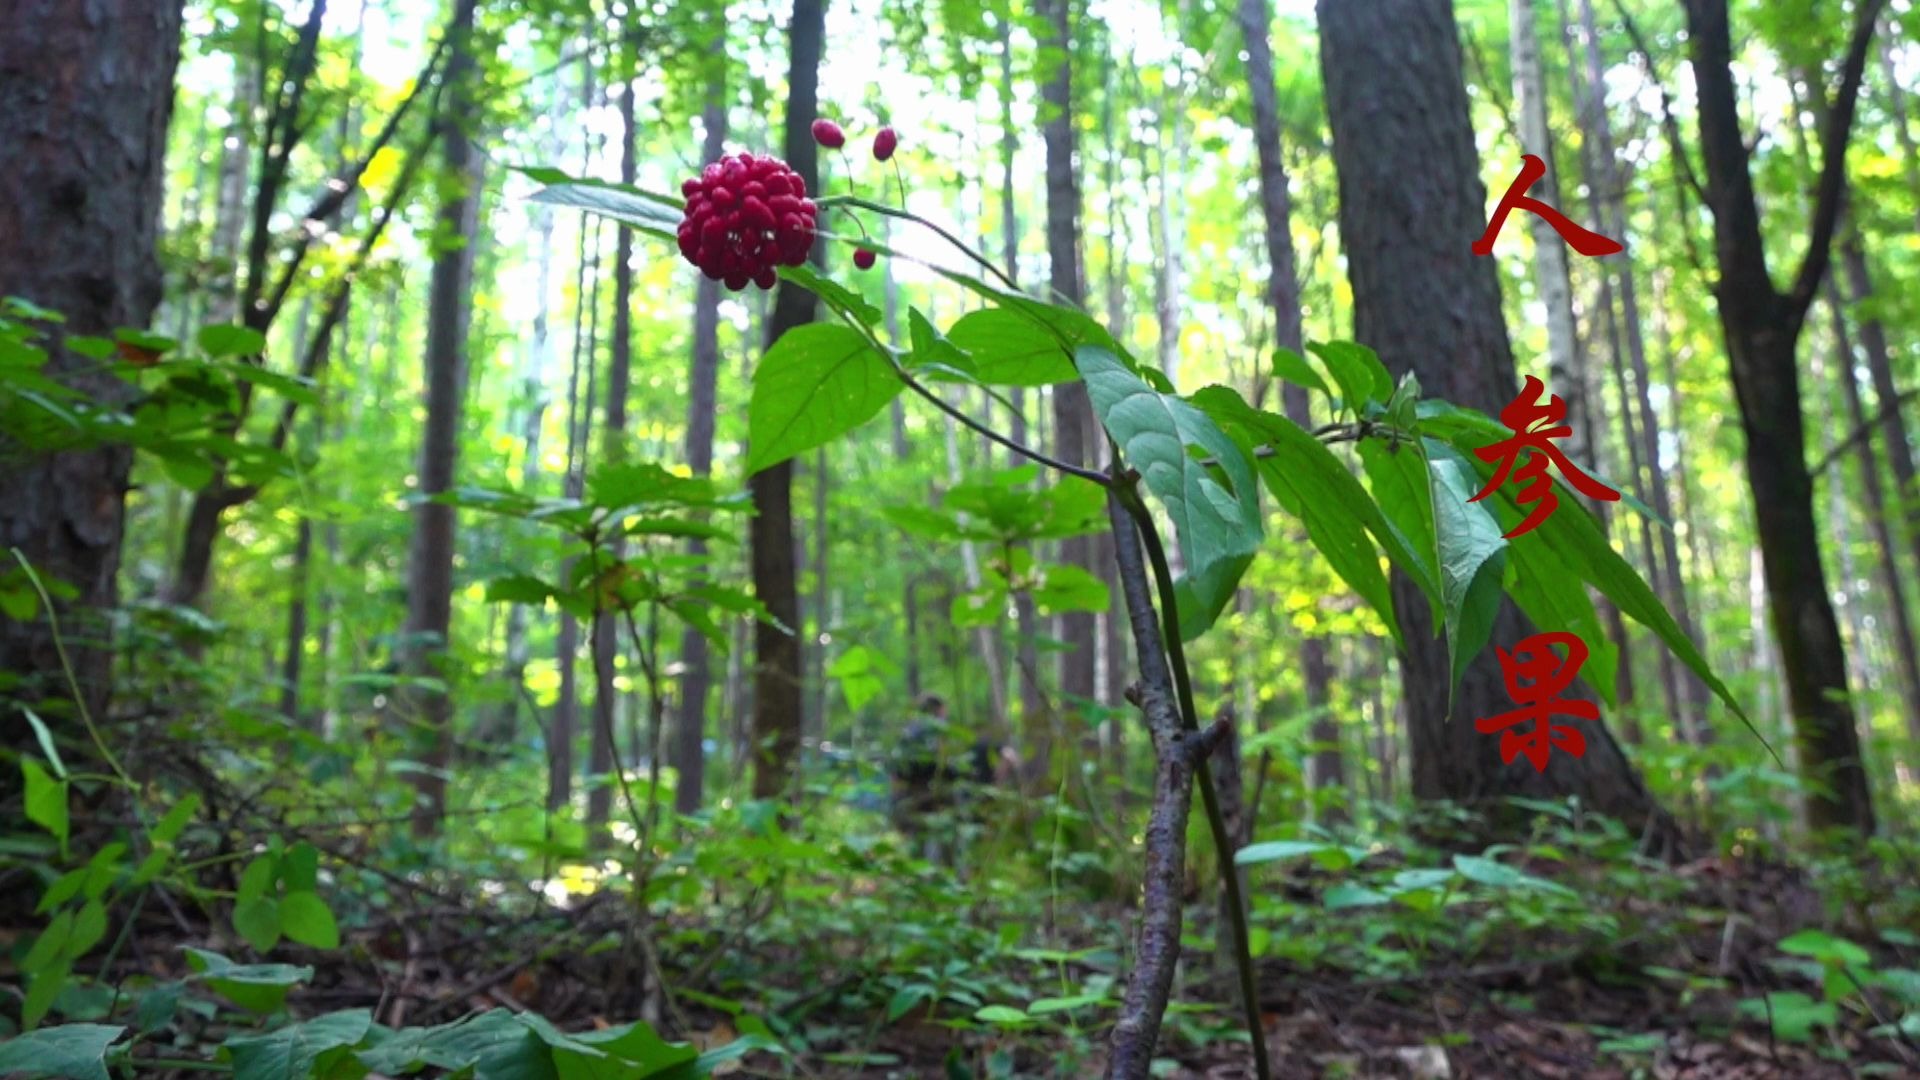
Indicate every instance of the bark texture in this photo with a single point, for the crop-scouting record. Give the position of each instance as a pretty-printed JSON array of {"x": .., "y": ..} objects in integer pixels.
[
  {"x": 776, "y": 675},
  {"x": 1411, "y": 206},
  {"x": 86, "y": 90},
  {"x": 1762, "y": 325}
]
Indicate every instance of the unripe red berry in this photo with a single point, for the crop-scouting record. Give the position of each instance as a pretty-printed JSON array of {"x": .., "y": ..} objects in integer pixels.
[
  {"x": 746, "y": 216},
  {"x": 828, "y": 134},
  {"x": 884, "y": 143},
  {"x": 863, "y": 258}
]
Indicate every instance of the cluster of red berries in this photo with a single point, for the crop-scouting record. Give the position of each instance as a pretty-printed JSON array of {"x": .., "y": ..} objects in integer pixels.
[{"x": 746, "y": 215}]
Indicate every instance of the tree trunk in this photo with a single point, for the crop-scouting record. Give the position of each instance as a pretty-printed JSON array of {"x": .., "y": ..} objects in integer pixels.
[
  {"x": 1395, "y": 95},
  {"x": 1283, "y": 299},
  {"x": 1762, "y": 327},
  {"x": 776, "y": 675},
  {"x": 430, "y": 556},
  {"x": 80, "y": 201},
  {"x": 1666, "y": 573},
  {"x": 696, "y": 670},
  {"x": 1873, "y": 339},
  {"x": 1074, "y": 428},
  {"x": 605, "y": 632}
]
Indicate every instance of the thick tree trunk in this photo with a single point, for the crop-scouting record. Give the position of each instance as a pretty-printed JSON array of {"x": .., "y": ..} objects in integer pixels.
[
  {"x": 696, "y": 664},
  {"x": 430, "y": 556},
  {"x": 1074, "y": 428},
  {"x": 1395, "y": 95},
  {"x": 80, "y": 203},
  {"x": 776, "y": 675},
  {"x": 1762, "y": 326}
]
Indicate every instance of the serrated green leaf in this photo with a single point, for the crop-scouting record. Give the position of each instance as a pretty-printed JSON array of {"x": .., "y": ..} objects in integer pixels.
[
  {"x": 1216, "y": 520},
  {"x": 71, "y": 1051},
  {"x": 818, "y": 382}
]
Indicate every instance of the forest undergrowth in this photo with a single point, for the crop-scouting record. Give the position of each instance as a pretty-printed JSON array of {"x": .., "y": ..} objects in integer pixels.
[{"x": 829, "y": 947}]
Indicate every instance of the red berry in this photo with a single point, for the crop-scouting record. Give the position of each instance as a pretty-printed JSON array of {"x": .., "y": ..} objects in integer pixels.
[
  {"x": 745, "y": 217},
  {"x": 863, "y": 258},
  {"x": 884, "y": 143},
  {"x": 828, "y": 134}
]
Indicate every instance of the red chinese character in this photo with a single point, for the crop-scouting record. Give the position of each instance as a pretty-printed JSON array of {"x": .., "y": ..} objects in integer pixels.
[
  {"x": 1581, "y": 240},
  {"x": 1547, "y": 675},
  {"x": 1522, "y": 414}
]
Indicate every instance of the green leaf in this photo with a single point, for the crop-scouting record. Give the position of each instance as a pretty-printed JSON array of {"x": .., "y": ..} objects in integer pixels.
[
  {"x": 305, "y": 918},
  {"x": 930, "y": 346},
  {"x": 258, "y": 877},
  {"x": 300, "y": 867},
  {"x": 1292, "y": 367},
  {"x": 1217, "y": 523},
  {"x": 1471, "y": 555},
  {"x": 169, "y": 827},
  {"x": 651, "y": 213},
  {"x": 905, "y": 998},
  {"x": 1501, "y": 876},
  {"x": 258, "y": 921},
  {"x": 1794, "y": 1014},
  {"x": 1310, "y": 483},
  {"x": 1348, "y": 895},
  {"x": 1064, "y": 587},
  {"x": 519, "y": 589},
  {"x": 635, "y": 1044},
  {"x": 1004, "y": 1015},
  {"x": 1043, "y": 1006},
  {"x": 227, "y": 339},
  {"x": 46, "y": 800},
  {"x": 837, "y": 295},
  {"x": 858, "y": 670},
  {"x": 818, "y": 382},
  {"x": 1009, "y": 348},
  {"x": 89, "y": 926},
  {"x": 1576, "y": 536},
  {"x": 295, "y": 1051},
  {"x": 44, "y": 737},
  {"x": 64, "y": 888},
  {"x": 260, "y": 988},
  {"x": 1357, "y": 370},
  {"x": 74, "y": 1051}
]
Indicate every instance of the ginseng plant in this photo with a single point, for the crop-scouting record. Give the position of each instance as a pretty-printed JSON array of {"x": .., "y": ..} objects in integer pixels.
[{"x": 1195, "y": 461}]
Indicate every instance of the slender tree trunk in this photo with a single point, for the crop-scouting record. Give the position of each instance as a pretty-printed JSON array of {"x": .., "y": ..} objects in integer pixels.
[
  {"x": 601, "y": 756},
  {"x": 1609, "y": 188},
  {"x": 776, "y": 676},
  {"x": 1878, "y": 519},
  {"x": 696, "y": 673},
  {"x": 1762, "y": 327},
  {"x": 1074, "y": 428},
  {"x": 1395, "y": 95},
  {"x": 430, "y": 558},
  {"x": 1283, "y": 299},
  {"x": 821, "y": 557},
  {"x": 1893, "y": 424}
]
